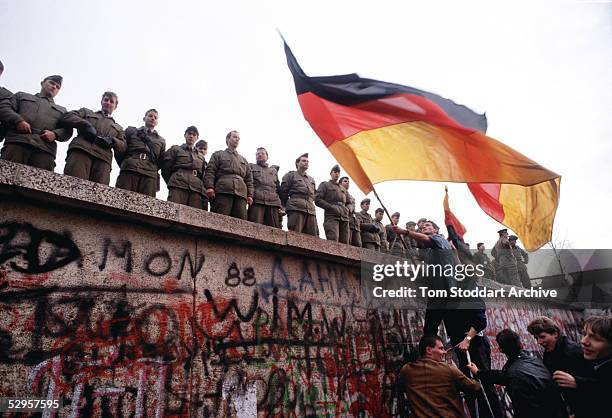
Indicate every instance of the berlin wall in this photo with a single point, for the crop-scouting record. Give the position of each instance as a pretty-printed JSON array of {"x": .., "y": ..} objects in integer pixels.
[{"x": 123, "y": 305}]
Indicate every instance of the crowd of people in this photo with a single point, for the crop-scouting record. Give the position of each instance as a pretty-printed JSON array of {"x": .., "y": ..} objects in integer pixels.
[{"x": 570, "y": 380}]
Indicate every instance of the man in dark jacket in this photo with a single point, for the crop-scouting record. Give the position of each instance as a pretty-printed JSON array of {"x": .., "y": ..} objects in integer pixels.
[
  {"x": 370, "y": 234},
  {"x": 332, "y": 197},
  {"x": 182, "y": 168},
  {"x": 4, "y": 94},
  {"x": 560, "y": 354},
  {"x": 90, "y": 154},
  {"x": 141, "y": 161},
  {"x": 228, "y": 180},
  {"x": 297, "y": 193},
  {"x": 528, "y": 382},
  {"x": 32, "y": 125},
  {"x": 266, "y": 201},
  {"x": 354, "y": 225},
  {"x": 593, "y": 391}
]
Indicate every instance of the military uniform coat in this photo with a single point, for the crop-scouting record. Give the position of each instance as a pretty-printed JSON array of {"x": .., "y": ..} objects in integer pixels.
[
  {"x": 229, "y": 173},
  {"x": 145, "y": 150},
  {"x": 105, "y": 127},
  {"x": 182, "y": 167},
  {"x": 369, "y": 230},
  {"x": 297, "y": 193},
  {"x": 41, "y": 113},
  {"x": 266, "y": 185},
  {"x": 332, "y": 197},
  {"x": 4, "y": 94},
  {"x": 382, "y": 234}
]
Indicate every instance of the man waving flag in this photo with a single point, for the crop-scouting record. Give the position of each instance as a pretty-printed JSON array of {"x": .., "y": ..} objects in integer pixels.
[{"x": 381, "y": 131}]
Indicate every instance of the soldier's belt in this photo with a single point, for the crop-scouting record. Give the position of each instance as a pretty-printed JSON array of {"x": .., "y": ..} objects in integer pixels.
[
  {"x": 300, "y": 196},
  {"x": 195, "y": 173}
]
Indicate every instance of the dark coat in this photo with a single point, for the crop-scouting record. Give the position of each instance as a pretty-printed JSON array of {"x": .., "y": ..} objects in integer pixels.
[
  {"x": 593, "y": 392},
  {"x": 530, "y": 386}
]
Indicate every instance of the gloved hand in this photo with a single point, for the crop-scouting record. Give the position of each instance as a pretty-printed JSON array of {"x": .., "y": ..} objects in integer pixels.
[
  {"x": 105, "y": 142},
  {"x": 88, "y": 132}
]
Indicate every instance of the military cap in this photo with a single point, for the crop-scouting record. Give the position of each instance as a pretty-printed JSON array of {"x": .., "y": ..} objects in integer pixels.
[
  {"x": 57, "y": 78},
  {"x": 512, "y": 237},
  {"x": 201, "y": 144},
  {"x": 379, "y": 210},
  {"x": 192, "y": 129},
  {"x": 366, "y": 200},
  {"x": 396, "y": 214},
  {"x": 421, "y": 220},
  {"x": 335, "y": 169},
  {"x": 502, "y": 231},
  {"x": 297, "y": 160},
  {"x": 410, "y": 223}
]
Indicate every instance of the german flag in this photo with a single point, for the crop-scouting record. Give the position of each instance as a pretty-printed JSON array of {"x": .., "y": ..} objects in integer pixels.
[{"x": 381, "y": 131}]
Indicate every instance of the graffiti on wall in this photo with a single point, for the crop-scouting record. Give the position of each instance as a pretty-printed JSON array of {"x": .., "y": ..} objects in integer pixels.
[{"x": 115, "y": 326}]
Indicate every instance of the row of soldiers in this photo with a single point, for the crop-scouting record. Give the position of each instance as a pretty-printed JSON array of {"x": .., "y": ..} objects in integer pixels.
[
  {"x": 32, "y": 124},
  {"x": 509, "y": 265}
]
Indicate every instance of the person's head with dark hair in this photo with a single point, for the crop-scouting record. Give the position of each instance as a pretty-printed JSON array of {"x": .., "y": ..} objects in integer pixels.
[
  {"x": 261, "y": 156},
  {"x": 191, "y": 135},
  {"x": 434, "y": 225},
  {"x": 150, "y": 118},
  {"x": 432, "y": 347},
  {"x": 51, "y": 85},
  {"x": 232, "y": 139},
  {"x": 301, "y": 162},
  {"x": 509, "y": 342},
  {"x": 202, "y": 146},
  {"x": 480, "y": 246},
  {"x": 597, "y": 338},
  {"x": 378, "y": 214},
  {"x": 109, "y": 102},
  {"x": 545, "y": 331},
  {"x": 1, "y": 68},
  {"x": 344, "y": 182},
  {"x": 365, "y": 204}
]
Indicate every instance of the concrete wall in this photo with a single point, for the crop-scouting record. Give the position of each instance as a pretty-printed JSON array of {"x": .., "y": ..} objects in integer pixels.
[{"x": 126, "y": 305}]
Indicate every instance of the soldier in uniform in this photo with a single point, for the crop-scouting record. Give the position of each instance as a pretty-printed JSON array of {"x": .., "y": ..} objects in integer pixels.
[
  {"x": 413, "y": 246},
  {"x": 370, "y": 234},
  {"x": 297, "y": 194},
  {"x": 90, "y": 154},
  {"x": 32, "y": 125},
  {"x": 140, "y": 162},
  {"x": 228, "y": 180},
  {"x": 4, "y": 94},
  {"x": 182, "y": 168},
  {"x": 202, "y": 147},
  {"x": 354, "y": 225},
  {"x": 332, "y": 198},
  {"x": 396, "y": 244},
  {"x": 382, "y": 233},
  {"x": 505, "y": 264},
  {"x": 266, "y": 201},
  {"x": 522, "y": 258},
  {"x": 483, "y": 259}
]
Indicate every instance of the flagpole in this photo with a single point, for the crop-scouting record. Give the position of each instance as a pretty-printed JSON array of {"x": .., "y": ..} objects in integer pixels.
[{"x": 406, "y": 245}]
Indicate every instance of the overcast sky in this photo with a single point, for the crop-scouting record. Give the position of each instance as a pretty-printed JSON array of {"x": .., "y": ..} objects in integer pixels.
[{"x": 540, "y": 70}]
